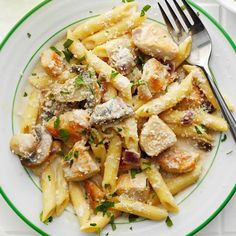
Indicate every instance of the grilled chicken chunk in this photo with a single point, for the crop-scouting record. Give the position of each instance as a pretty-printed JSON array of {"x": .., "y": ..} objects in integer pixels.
[
  {"x": 111, "y": 111},
  {"x": 69, "y": 126},
  {"x": 79, "y": 164},
  {"x": 175, "y": 160},
  {"x": 156, "y": 136},
  {"x": 154, "y": 40},
  {"x": 52, "y": 63},
  {"x": 136, "y": 188}
]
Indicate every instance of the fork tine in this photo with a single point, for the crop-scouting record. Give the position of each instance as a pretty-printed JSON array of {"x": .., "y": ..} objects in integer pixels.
[
  {"x": 184, "y": 17},
  {"x": 166, "y": 19},
  {"x": 177, "y": 22},
  {"x": 191, "y": 12}
]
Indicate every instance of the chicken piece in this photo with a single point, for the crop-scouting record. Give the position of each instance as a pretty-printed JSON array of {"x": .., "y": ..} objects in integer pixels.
[
  {"x": 154, "y": 40},
  {"x": 175, "y": 160},
  {"x": 78, "y": 164},
  {"x": 155, "y": 75},
  {"x": 95, "y": 194},
  {"x": 69, "y": 126},
  {"x": 136, "y": 188},
  {"x": 52, "y": 63},
  {"x": 111, "y": 111},
  {"x": 156, "y": 136}
]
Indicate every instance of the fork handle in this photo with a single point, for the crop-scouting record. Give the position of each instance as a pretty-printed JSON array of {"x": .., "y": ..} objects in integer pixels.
[{"x": 224, "y": 108}]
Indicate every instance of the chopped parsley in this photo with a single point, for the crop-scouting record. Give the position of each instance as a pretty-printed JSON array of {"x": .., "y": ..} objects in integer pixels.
[
  {"x": 229, "y": 152},
  {"x": 68, "y": 43},
  {"x": 49, "y": 177},
  {"x": 93, "y": 224},
  {"x": 102, "y": 141},
  {"x": 90, "y": 11},
  {"x": 25, "y": 94},
  {"x": 132, "y": 218},
  {"x": 57, "y": 123},
  {"x": 168, "y": 221},
  {"x": 79, "y": 81},
  {"x": 113, "y": 74},
  {"x": 76, "y": 154},
  {"x": 55, "y": 50},
  {"x": 119, "y": 130},
  {"x": 29, "y": 35},
  {"x": 146, "y": 165},
  {"x": 69, "y": 155},
  {"x": 104, "y": 206},
  {"x": 113, "y": 225},
  {"x": 131, "y": 228},
  {"x": 33, "y": 74},
  {"x": 107, "y": 233},
  {"x": 64, "y": 134},
  {"x": 183, "y": 7},
  {"x": 124, "y": 1},
  {"x": 68, "y": 55},
  {"x": 144, "y": 10},
  {"x": 81, "y": 59},
  {"x": 49, "y": 220},
  {"x": 223, "y": 138},
  {"x": 134, "y": 172},
  {"x": 200, "y": 129},
  {"x": 91, "y": 138},
  {"x": 64, "y": 92}
]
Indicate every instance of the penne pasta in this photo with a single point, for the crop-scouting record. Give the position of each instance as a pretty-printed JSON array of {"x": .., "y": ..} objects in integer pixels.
[
  {"x": 81, "y": 206},
  {"x": 175, "y": 94},
  {"x": 31, "y": 111},
  {"x": 160, "y": 187},
  {"x": 127, "y": 205},
  {"x": 115, "y": 31},
  {"x": 200, "y": 117},
  {"x": 48, "y": 185},
  {"x": 100, "y": 22},
  {"x": 111, "y": 165}
]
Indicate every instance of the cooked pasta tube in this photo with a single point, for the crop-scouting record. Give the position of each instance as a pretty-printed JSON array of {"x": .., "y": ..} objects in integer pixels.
[
  {"x": 111, "y": 165},
  {"x": 48, "y": 184},
  {"x": 175, "y": 94},
  {"x": 31, "y": 111},
  {"x": 62, "y": 192},
  {"x": 159, "y": 186},
  {"x": 178, "y": 183},
  {"x": 195, "y": 117},
  {"x": 191, "y": 132},
  {"x": 184, "y": 51},
  {"x": 121, "y": 28},
  {"x": 81, "y": 206},
  {"x": 100, "y": 22},
  {"x": 130, "y": 206}
]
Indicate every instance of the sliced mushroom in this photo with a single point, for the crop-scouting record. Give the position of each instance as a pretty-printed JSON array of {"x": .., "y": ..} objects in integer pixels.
[
  {"x": 110, "y": 111},
  {"x": 32, "y": 149}
]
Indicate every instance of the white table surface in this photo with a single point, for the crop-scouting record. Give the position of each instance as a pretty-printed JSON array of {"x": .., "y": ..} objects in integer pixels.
[{"x": 10, "y": 224}]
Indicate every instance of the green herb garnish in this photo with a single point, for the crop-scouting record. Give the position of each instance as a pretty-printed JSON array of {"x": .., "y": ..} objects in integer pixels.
[
  {"x": 229, "y": 152},
  {"x": 68, "y": 43},
  {"x": 224, "y": 138},
  {"x": 119, "y": 130},
  {"x": 79, "y": 81},
  {"x": 29, "y": 35},
  {"x": 113, "y": 74},
  {"x": 33, "y": 74},
  {"x": 124, "y": 1},
  {"x": 64, "y": 134},
  {"x": 134, "y": 172},
  {"x": 132, "y": 218},
  {"x": 169, "y": 222},
  {"x": 146, "y": 165},
  {"x": 55, "y": 50},
  {"x": 104, "y": 206},
  {"x": 200, "y": 129},
  {"x": 64, "y": 92},
  {"x": 68, "y": 55},
  {"x": 93, "y": 224},
  {"x": 57, "y": 123},
  {"x": 81, "y": 59},
  {"x": 49, "y": 177},
  {"x": 91, "y": 138},
  {"x": 144, "y": 10},
  {"x": 102, "y": 141},
  {"x": 183, "y": 7},
  {"x": 69, "y": 155},
  {"x": 71, "y": 162},
  {"x": 25, "y": 94},
  {"x": 113, "y": 225},
  {"x": 131, "y": 228},
  {"x": 76, "y": 154}
]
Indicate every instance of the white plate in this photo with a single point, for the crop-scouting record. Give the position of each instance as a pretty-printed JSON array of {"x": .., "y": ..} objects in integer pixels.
[
  {"x": 47, "y": 23},
  {"x": 229, "y": 4}
]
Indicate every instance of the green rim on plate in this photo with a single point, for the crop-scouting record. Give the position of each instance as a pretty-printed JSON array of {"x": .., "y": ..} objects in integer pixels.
[{"x": 208, "y": 219}]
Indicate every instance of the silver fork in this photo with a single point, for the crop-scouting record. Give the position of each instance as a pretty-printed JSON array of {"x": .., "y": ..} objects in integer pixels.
[{"x": 201, "y": 50}]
